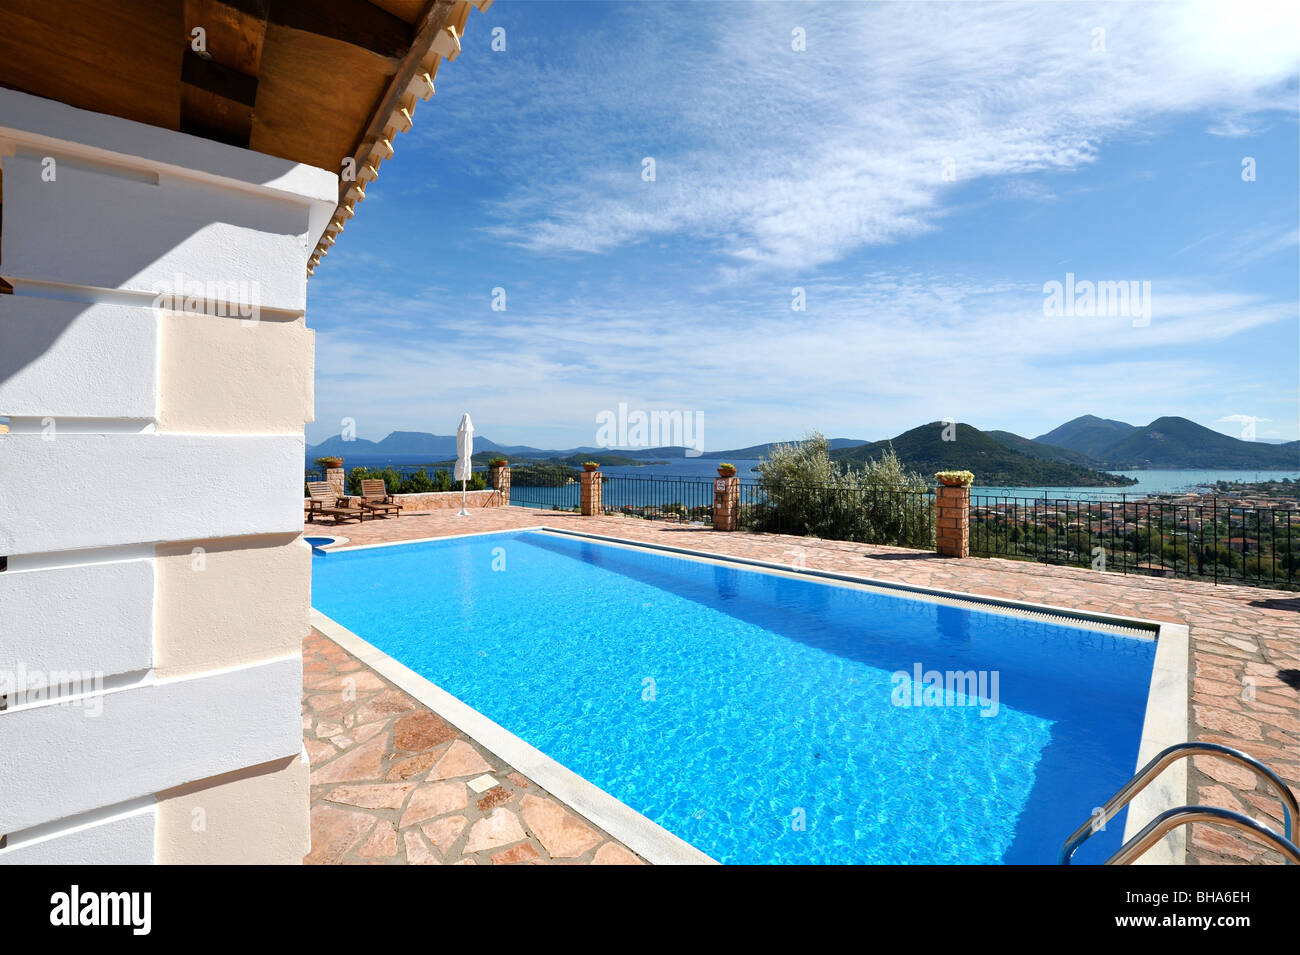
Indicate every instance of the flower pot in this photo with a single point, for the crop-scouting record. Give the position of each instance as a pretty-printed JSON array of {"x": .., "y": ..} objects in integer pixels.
[
  {"x": 726, "y": 472},
  {"x": 330, "y": 463},
  {"x": 591, "y": 467},
  {"x": 955, "y": 478}
]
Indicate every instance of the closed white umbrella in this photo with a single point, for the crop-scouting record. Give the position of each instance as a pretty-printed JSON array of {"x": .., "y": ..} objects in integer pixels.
[{"x": 464, "y": 452}]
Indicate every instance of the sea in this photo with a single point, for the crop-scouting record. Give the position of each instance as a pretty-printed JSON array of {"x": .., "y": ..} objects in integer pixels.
[{"x": 1149, "y": 482}]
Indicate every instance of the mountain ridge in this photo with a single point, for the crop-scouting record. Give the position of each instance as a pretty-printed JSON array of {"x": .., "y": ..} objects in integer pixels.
[
  {"x": 1084, "y": 444},
  {"x": 1167, "y": 442}
]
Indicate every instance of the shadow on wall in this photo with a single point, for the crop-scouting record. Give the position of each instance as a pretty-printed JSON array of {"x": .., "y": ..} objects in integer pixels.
[{"x": 128, "y": 232}]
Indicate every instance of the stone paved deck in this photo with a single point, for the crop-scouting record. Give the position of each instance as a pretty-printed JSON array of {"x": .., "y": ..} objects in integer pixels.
[
  {"x": 393, "y": 784},
  {"x": 1245, "y": 681}
]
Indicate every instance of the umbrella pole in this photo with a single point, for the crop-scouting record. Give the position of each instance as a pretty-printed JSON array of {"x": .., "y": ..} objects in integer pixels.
[{"x": 463, "y": 511}]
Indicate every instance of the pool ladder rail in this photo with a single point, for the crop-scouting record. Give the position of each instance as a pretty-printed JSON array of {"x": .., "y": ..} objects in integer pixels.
[{"x": 1171, "y": 819}]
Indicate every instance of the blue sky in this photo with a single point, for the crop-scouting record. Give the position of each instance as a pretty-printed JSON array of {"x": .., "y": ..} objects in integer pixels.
[{"x": 920, "y": 170}]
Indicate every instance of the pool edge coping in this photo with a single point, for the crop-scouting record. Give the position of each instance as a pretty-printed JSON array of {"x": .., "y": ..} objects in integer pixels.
[
  {"x": 1165, "y": 718},
  {"x": 642, "y": 835}
]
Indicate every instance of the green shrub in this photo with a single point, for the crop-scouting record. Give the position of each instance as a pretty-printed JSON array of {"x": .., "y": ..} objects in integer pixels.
[{"x": 802, "y": 491}]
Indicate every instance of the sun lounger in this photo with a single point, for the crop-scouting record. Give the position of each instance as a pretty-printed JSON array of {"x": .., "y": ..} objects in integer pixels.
[
  {"x": 325, "y": 502},
  {"x": 375, "y": 497}
]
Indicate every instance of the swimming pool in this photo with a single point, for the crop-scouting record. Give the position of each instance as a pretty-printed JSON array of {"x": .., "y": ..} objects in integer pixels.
[{"x": 765, "y": 717}]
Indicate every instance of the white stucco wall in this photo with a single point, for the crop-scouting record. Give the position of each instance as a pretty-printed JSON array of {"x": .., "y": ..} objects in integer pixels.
[{"x": 137, "y": 435}]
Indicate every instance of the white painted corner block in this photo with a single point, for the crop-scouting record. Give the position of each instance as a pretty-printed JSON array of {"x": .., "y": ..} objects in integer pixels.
[
  {"x": 58, "y": 760},
  {"x": 89, "y": 618},
  {"x": 38, "y": 123},
  {"x": 77, "y": 359},
  {"x": 117, "y": 837},
  {"x": 104, "y": 490},
  {"x": 104, "y": 228}
]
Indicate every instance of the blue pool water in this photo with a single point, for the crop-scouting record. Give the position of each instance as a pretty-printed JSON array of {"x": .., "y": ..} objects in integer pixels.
[{"x": 730, "y": 705}]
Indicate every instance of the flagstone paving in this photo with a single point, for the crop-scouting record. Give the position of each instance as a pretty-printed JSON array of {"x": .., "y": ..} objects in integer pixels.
[
  {"x": 1244, "y": 684},
  {"x": 392, "y": 783}
]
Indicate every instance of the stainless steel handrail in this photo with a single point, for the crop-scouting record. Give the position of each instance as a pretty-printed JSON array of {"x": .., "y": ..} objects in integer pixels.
[
  {"x": 1170, "y": 819},
  {"x": 1161, "y": 761}
]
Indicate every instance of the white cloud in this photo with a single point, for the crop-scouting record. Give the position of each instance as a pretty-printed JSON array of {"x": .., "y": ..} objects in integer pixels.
[
  {"x": 792, "y": 160},
  {"x": 871, "y": 354}
]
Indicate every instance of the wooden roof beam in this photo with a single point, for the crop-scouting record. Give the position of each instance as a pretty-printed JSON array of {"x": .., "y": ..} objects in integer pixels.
[
  {"x": 218, "y": 79},
  {"x": 357, "y": 22}
]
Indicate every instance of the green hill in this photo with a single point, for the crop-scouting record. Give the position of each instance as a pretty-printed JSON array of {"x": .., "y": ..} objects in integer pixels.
[
  {"x": 1172, "y": 442},
  {"x": 1168, "y": 442},
  {"x": 994, "y": 462},
  {"x": 1087, "y": 434},
  {"x": 1045, "y": 452}
]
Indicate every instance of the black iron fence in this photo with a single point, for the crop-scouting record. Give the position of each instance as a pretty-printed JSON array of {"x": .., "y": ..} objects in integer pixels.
[
  {"x": 1212, "y": 540},
  {"x": 900, "y": 516},
  {"x": 1215, "y": 540}
]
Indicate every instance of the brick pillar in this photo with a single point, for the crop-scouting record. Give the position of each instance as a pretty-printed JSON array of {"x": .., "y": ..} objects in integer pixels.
[
  {"x": 501, "y": 482},
  {"x": 726, "y": 503},
  {"x": 952, "y": 521},
  {"x": 591, "y": 493},
  {"x": 335, "y": 478}
]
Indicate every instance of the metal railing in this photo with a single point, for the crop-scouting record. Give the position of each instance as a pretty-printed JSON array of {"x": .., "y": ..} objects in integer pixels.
[
  {"x": 900, "y": 516},
  {"x": 1170, "y": 819},
  {"x": 1218, "y": 540}
]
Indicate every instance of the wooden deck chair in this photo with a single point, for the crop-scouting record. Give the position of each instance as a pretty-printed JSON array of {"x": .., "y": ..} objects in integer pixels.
[
  {"x": 375, "y": 497},
  {"x": 326, "y": 503}
]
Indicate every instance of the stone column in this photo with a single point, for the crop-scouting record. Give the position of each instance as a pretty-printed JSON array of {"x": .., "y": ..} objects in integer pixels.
[
  {"x": 501, "y": 483},
  {"x": 726, "y": 503},
  {"x": 591, "y": 494},
  {"x": 952, "y": 521},
  {"x": 156, "y": 339},
  {"x": 337, "y": 479}
]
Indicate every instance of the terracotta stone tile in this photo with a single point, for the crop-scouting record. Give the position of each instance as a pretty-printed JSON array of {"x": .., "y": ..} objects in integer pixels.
[
  {"x": 434, "y": 799},
  {"x": 1212, "y": 840},
  {"x": 317, "y": 750},
  {"x": 421, "y": 730},
  {"x": 561, "y": 833},
  {"x": 461, "y": 759},
  {"x": 354, "y": 683},
  {"x": 327, "y": 728},
  {"x": 501, "y": 828},
  {"x": 382, "y": 843},
  {"x": 334, "y": 832},
  {"x": 386, "y": 705},
  {"x": 496, "y": 796},
  {"x": 1224, "y": 721},
  {"x": 413, "y": 766},
  {"x": 417, "y": 850},
  {"x": 523, "y": 853},
  {"x": 374, "y": 796},
  {"x": 611, "y": 853},
  {"x": 362, "y": 763},
  {"x": 444, "y": 832}
]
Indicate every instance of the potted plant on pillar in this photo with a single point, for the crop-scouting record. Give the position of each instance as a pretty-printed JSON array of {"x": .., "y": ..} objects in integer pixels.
[
  {"x": 329, "y": 462},
  {"x": 590, "y": 466},
  {"x": 955, "y": 478},
  {"x": 726, "y": 470}
]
